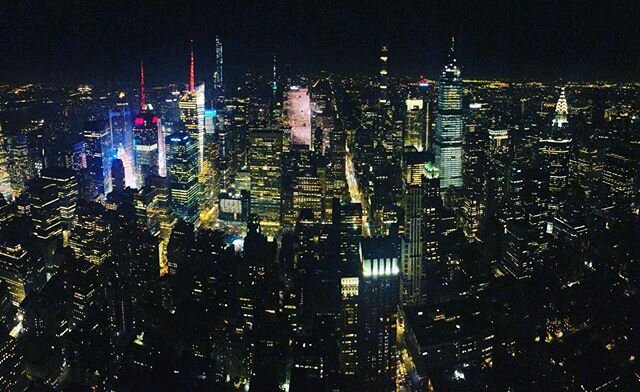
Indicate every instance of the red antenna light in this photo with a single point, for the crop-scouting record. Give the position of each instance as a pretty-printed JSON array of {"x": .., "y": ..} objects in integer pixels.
[{"x": 192, "y": 77}]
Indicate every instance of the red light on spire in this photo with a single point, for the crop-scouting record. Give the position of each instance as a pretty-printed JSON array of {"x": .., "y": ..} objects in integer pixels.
[
  {"x": 192, "y": 76},
  {"x": 143, "y": 98}
]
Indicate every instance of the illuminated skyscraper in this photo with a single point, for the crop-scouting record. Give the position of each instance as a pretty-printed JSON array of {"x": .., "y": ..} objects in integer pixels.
[
  {"x": 44, "y": 204},
  {"x": 555, "y": 156},
  {"x": 348, "y": 217},
  {"x": 307, "y": 194},
  {"x": 265, "y": 168},
  {"x": 449, "y": 125},
  {"x": 192, "y": 109},
  {"x": 145, "y": 131},
  {"x": 183, "y": 176},
  {"x": 412, "y": 242},
  {"x": 99, "y": 153},
  {"x": 66, "y": 185},
  {"x": 299, "y": 115},
  {"x": 562, "y": 111},
  {"x": 377, "y": 318},
  {"x": 348, "y": 341},
  {"x": 415, "y": 123},
  {"x": 5, "y": 179},
  {"x": 120, "y": 124},
  {"x": 91, "y": 234},
  {"x": 21, "y": 167},
  {"x": 16, "y": 267}
]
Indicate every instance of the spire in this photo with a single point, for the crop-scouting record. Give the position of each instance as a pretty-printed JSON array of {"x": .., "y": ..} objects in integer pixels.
[
  {"x": 192, "y": 77},
  {"x": 143, "y": 98},
  {"x": 275, "y": 75},
  {"x": 452, "y": 50},
  {"x": 219, "y": 62},
  {"x": 562, "y": 110}
]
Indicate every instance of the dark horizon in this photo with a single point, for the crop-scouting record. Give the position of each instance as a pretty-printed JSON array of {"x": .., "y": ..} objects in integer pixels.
[{"x": 101, "y": 42}]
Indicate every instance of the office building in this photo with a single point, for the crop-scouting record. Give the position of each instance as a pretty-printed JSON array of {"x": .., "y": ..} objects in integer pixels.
[
  {"x": 183, "y": 176},
  {"x": 265, "y": 168},
  {"x": 449, "y": 125}
]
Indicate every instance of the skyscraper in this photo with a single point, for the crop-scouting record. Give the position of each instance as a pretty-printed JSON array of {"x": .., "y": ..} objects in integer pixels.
[
  {"x": 562, "y": 111},
  {"x": 118, "y": 175},
  {"x": 99, "y": 153},
  {"x": 91, "y": 235},
  {"x": 192, "y": 108},
  {"x": 299, "y": 115},
  {"x": 5, "y": 179},
  {"x": 66, "y": 185},
  {"x": 377, "y": 318},
  {"x": 145, "y": 131},
  {"x": 265, "y": 168},
  {"x": 120, "y": 124},
  {"x": 449, "y": 124},
  {"x": 415, "y": 123},
  {"x": 412, "y": 242},
  {"x": 183, "y": 175},
  {"x": 21, "y": 168}
]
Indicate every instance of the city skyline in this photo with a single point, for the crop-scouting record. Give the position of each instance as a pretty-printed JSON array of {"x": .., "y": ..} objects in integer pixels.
[
  {"x": 308, "y": 196},
  {"x": 570, "y": 40}
]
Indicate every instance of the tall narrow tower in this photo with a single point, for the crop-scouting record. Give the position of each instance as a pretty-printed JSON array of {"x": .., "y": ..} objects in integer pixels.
[
  {"x": 191, "y": 106},
  {"x": 219, "y": 62},
  {"x": 449, "y": 124}
]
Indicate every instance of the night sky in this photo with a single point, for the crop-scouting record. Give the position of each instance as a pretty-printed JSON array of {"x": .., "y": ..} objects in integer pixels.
[{"x": 102, "y": 41}]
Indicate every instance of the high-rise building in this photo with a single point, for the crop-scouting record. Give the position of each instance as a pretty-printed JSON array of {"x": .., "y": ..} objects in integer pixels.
[
  {"x": 554, "y": 152},
  {"x": 562, "y": 111},
  {"x": 120, "y": 124},
  {"x": 44, "y": 203},
  {"x": 91, "y": 235},
  {"x": 619, "y": 174},
  {"x": 21, "y": 167},
  {"x": 5, "y": 178},
  {"x": 415, "y": 123},
  {"x": 118, "y": 175},
  {"x": 11, "y": 378},
  {"x": 99, "y": 153},
  {"x": 348, "y": 341},
  {"x": 265, "y": 168},
  {"x": 183, "y": 176},
  {"x": 17, "y": 266},
  {"x": 449, "y": 125},
  {"x": 145, "y": 131},
  {"x": 377, "y": 318},
  {"x": 151, "y": 204},
  {"x": 431, "y": 228},
  {"x": 307, "y": 194},
  {"x": 412, "y": 241},
  {"x": 298, "y": 108},
  {"x": 518, "y": 255},
  {"x": 66, "y": 185},
  {"x": 192, "y": 110}
]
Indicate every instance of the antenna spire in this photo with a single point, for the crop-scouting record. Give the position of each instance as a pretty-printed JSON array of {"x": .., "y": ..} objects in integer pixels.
[
  {"x": 143, "y": 97},
  {"x": 452, "y": 49},
  {"x": 192, "y": 77}
]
